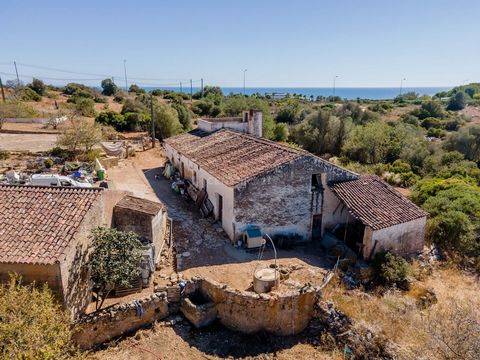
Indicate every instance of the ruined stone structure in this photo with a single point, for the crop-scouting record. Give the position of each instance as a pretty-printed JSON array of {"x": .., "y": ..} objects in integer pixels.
[{"x": 284, "y": 191}]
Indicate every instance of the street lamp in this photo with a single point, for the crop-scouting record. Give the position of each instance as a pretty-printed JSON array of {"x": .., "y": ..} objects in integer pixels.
[
  {"x": 401, "y": 85},
  {"x": 244, "y": 72},
  {"x": 334, "y": 83},
  {"x": 125, "y": 71}
]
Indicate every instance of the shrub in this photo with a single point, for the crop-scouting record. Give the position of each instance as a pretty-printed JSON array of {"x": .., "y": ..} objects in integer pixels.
[
  {"x": 38, "y": 86},
  {"x": 27, "y": 94},
  {"x": 33, "y": 325},
  {"x": 48, "y": 163},
  {"x": 280, "y": 132},
  {"x": 4, "y": 154},
  {"x": 136, "y": 89},
  {"x": 457, "y": 102},
  {"x": 135, "y": 121},
  {"x": 112, "y": 118},
  {"x": 61, "y": 153},
  {"x": 390, "y": 269},
  {"x": 183, "y": 116},
  {"x": 83, "y": 106},
  {"x": 108, "y": 87}
]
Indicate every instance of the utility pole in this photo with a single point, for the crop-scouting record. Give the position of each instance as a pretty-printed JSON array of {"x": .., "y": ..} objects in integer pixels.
[
  {"x": 191, "y": 91},
  {"x": 3, "y": 92},
  {"x": 202, "y": 87},
  {"x": 181, "y": 88},
  {"x": 16, "y": 71},
  {"x": 334, "y": 84},
  {"x": 125, "y": 71},
  {"x": 153, "y": 120},
  {"x": 401, "y": 85},
  {"x": 244, "y": 72}
]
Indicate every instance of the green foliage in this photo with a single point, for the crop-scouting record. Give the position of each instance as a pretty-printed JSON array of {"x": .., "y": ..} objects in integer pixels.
[
  {"x": 431, "y": 122},
  {"x": 48, "y": 163},
  {"x": 166, "y": 121},
  {"x": 470, "y": 89},
  {"x": 108, "y": 87},
  {"x": 406, "y": 97},
  {"x": 80, "y": 134},
  {"x": 321, "y": 133},
  {"x": 80, "y": 90},
  {"x": 115, "y": 259},
  {"x": 280, "y": 132},
  {"x": 206, "y": 108},
  {"x": 119, "y": 97},
  {"x": 83, "y": 106},
  {"x": 457, "y": 102},
  {"x": 466, "y": 141},
  {"x": 38, "y": 86},
  {"x": 356, "y": 113},
  {"x": 289, "y": 112},
  {"x": 370, "y": 144},
  {"x": 27, "y": 94},
  {"x": 4, "y": 154},
  {"x": 136, "y": 89},
  {"x": 431, "y": 108},
  {"x": 183, "y": 116},
  {"x": 33, "y": 325},
  {"x": 212, "y": 92},
  {"x": 137, "y": 105},
  {"x": 112, "y": 118},
  {"x": 61, "y": 153},
  {"x": 390, "y": 269},
  {"x": 12, "y": 109},
  {"x": 135, "y": 121},
  {"x": 381, "y": 107}
]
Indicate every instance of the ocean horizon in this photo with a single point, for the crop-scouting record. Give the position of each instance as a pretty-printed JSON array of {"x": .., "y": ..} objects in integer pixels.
[{"x": 349, "y": 93}]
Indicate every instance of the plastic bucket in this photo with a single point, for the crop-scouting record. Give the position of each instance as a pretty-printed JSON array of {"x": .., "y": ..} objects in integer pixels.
[{"x": 101, "y": 174}]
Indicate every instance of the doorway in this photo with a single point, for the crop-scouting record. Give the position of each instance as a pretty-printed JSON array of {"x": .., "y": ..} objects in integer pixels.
[
  {"x": 317, "y": 227},
  {"x": 220, "y": 208}
]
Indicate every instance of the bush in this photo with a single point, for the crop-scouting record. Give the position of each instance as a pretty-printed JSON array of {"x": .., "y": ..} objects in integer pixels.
[
  {"x": 27, "y": 94},
  {"x": 280, "y": 132},
  {"x": 38, "y": 86},
  {"x": 33, "y": 325},
  {"x": 48, "y": 163},
  {"x": 457, "y": 102},
  {"x": 390, "y": 269},
  {"x": 183, "y": 116},
  {"x": 83, "y": 106},
  {"x": 135, "y": 121},
  {"x": 61, "y": 153},
  {"x": 108, "y": 87},
  {"x": 111, "y": 118},
  {"x": 136, "y": 89},
  {"x": 4, "y": 154}
]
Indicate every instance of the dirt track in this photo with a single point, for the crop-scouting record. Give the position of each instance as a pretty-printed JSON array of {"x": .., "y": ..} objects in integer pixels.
[{"x": 27, "y": 142}]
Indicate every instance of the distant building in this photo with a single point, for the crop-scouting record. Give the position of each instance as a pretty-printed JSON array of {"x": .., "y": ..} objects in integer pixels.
[{"x": 251, "y": 181}]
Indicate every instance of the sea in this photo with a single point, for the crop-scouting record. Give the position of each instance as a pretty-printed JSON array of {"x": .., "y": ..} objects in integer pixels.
[{"x": 371, "y": 93}]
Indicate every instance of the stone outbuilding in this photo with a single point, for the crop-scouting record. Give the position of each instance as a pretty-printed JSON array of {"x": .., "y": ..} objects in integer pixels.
[
  {"x": 44, "y": 237},
  {"x": 253, "y": 182},
  {"x": 148, "y": 219}
]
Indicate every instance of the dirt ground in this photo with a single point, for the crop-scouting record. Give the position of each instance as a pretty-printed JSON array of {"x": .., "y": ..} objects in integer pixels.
[
  {"x": 203, "y": 248},
  {"x": 27, "y": 142}
]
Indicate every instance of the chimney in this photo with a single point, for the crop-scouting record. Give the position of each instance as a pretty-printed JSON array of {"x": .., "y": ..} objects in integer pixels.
[{"x": 255, "y": 122}]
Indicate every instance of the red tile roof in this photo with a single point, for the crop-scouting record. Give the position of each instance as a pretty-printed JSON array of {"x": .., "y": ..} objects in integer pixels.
[
  {"x": 375, "y": 203},
  {"x": 38, "y": 223},
  {"x": 232, "y": 157},
  {"x": 141, "y": 205}
]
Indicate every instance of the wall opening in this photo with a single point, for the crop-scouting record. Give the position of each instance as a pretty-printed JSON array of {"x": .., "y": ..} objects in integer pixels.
[
  {"x": 220, "y": 208},
  {"x": 317, "y": 227},
  {"x": 316, "y": 183}
]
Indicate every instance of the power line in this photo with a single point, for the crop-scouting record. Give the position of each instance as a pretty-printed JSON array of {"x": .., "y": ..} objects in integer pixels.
[{"x": 49, "y": 78}]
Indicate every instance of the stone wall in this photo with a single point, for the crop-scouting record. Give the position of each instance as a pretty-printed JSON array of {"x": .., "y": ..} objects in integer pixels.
[
  {"x": 248, "y": 312},
  {"x": 119, "y": 320},
  {"x": 281, "y": 201}
]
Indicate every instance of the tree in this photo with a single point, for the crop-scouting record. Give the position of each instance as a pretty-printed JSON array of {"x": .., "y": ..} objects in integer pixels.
[
  {"x": 78, "y": 133},
  {"x": 213, "y": 92},
  {"x": 289, "y": 112},
  {"x": 389, "y": 268},
  {"x": 134, "y": 88},
  {"x": 466, "y": 141},
  {"x": 431, "y": 108},
  {"x": 109, "y": 87},
  {"x": 457, "y": 102},
  {"x": 183, "y": 116},
  {"x": 166, "y": 121},
  {"x": 38, "y": 86},
  {"x": 321, "y": 133},
  {"x": 114, "y": 261},
  {"x": 369, "y": 144},
  {"x": 33, "y": 325}
]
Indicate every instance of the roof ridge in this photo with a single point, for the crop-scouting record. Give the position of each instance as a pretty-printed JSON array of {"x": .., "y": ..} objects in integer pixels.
[{"x": 43, "y": 187}]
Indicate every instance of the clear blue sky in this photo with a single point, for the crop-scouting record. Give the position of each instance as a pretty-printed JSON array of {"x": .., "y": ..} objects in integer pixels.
[{"x": 282, "y": 43}]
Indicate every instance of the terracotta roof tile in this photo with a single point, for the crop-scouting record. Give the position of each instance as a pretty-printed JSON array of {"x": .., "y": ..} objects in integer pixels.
[
  {"x": 375, "y": 203},
  {"x": 232, "y": 157},
  {"x": 37, "y": 223},
  {"x": 141, "y": 205}
]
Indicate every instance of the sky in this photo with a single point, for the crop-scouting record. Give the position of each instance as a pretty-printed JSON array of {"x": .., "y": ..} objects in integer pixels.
[{"x": 294, "y": 43}]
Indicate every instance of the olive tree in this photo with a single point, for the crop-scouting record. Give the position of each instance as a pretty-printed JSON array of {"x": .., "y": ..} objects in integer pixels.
[{"x": 114, "y": 260}]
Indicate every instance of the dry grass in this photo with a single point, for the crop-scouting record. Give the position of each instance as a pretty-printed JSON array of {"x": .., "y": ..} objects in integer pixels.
[{"x": 397, "y": 315}]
